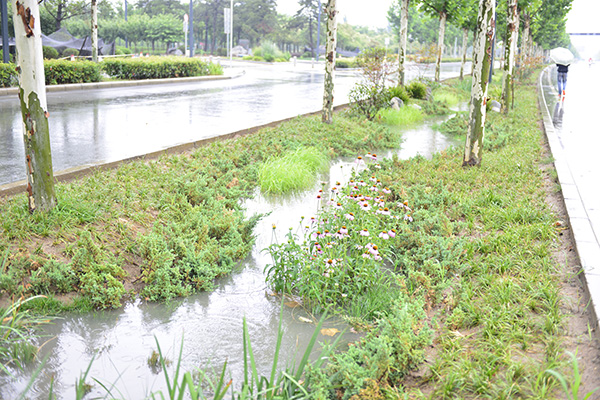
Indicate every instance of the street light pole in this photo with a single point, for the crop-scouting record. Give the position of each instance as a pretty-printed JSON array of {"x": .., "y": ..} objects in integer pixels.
[
  {"x": 126, "y": 44},
  {"x": 318, "y": 32},
  {"x": 191, "y": 41},
  {"x": 5, "y": 48},
  {"x": 231, "y": 34},
  {"x": 191, "y": 28}
]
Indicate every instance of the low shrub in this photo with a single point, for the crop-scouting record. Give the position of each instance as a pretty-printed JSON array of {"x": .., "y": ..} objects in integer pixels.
[
  {"x": 122, "y": 50},
  {"x": 69, "y": 51},
  {"x": 270, "y": 52},
  {"x": 50, "y": 53},
  {"x": 64, "y": 71},
  {"x": 366, "y": 100},
  {"x": 417, "y": 90},
  {"x": 399, "y": 92},
  {"x": 8, "y": 75},
  {"x": 157, "y": 67},
  {"x": 345, "y": 63}
]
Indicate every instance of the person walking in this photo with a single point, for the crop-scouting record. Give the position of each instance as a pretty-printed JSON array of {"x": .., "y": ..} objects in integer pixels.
[{"x": 561, "y": 78}]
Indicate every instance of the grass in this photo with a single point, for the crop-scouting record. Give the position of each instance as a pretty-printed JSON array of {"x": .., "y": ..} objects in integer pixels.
[
  {"x": 292, "y": 171},
  {"x": 474, "y": 273},
  {"x": 402, "y": 117},
  {"x": 157, "y": 229}
]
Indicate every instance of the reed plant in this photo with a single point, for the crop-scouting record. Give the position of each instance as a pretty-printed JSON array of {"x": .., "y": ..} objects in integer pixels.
[
  {"x": 292, "y": 171},
  {"x": 405, "y": 116}
]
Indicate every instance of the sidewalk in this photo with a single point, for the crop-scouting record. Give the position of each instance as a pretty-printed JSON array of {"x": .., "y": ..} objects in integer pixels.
[{"x": 571, "y": 126}]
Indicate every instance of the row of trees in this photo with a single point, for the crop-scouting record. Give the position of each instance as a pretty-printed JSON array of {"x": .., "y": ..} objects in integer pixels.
[{"x": 542, "y": 23}]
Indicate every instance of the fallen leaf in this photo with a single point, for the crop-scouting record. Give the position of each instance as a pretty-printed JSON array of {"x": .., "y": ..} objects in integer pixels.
[
  {"x": 292, "y": 304},
  {"x": 329, "y": 331}
]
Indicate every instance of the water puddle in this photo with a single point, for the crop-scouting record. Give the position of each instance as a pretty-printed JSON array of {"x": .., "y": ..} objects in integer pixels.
[{"x": 121, "y": 341}]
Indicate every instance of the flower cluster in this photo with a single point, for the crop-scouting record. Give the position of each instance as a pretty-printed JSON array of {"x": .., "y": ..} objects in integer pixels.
[{"x": 347, "y": 243}]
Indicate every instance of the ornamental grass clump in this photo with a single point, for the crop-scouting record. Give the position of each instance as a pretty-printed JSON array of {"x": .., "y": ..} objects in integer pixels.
[
  {"x": 293, "y": 170},
  {"x": 342, "y": 256},
  {"x": 402, "y": 117}
]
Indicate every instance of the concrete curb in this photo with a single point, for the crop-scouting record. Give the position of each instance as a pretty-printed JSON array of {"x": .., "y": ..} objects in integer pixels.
[
  {"x": 70, "y": 174},
  {"x": 586, "y": 246},
  {"x": 118, "y": 84}
]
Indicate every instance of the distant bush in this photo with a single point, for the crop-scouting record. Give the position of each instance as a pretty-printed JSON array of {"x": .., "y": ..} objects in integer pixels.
[
  {"x": 68, "y": 52},
  {"x": 345, "y": 63},
  {"x": 122, "y": 50},
  {"x": 8, "y": 75},
  {"x": 50, "y": 53},
  {"x": 158, "y": 67},
  {"x": 417, "y": 90},
  {"x": 65, "y": 71},
  {"x": 269, "y": 52}
]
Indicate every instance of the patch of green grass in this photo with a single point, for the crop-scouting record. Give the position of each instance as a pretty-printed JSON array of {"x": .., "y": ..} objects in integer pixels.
[
  {"x": 402, "y": 117},
  {"x": 446, "y": 96},
  {"x": 294, "y": 170},
  {"x": 173, "y": 224}
]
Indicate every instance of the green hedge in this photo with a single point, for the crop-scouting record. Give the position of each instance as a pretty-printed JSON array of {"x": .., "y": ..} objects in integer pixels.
[
  {"x": 63, "y": 71},
  {"x": 8, "y": 75},
  {"x": 158, "y": 67}
]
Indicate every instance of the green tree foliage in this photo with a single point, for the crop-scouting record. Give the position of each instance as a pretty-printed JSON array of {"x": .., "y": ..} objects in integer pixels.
[
  {"x": 422, "y": 27},
  {"x": 549, "y": 29},
  {"x": 259, "y": 20}
]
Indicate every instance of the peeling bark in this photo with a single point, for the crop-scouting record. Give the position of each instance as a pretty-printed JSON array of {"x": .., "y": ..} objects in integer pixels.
[
  {"x": 95, "y": 30},
  {"x": 32, "y": 94},
  {"x": 331, "y": 12},
  {"x": 402, "y": 44},
  {"x": 440, "y": 50},
  {"x": 525, "y": 38},
  {"x": 464, "y": 52},
  {"x": 482, "y": 48},
  {"x": 509, "y": 54}
]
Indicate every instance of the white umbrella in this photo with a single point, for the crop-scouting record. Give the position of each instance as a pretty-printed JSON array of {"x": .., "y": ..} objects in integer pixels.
[{"x": 560, "y": 55}]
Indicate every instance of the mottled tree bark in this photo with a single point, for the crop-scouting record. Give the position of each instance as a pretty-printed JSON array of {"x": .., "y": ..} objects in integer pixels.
[
  {"x": 525, "y": 38},
  {"x": 402, "y": 44},
  {"x": 509, "y": 54},
  {"x": 331, "y": 11},
  {"x": 32, "y": 93},
  {"x": 440, "y": 50},
  {"x": 482, "y": 51},
  {"x": 464, "y": 52},
  {"x": 95, "y": 31}
]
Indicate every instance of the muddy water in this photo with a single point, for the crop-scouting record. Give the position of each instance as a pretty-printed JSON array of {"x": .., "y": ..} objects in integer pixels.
[{"x": 121, "y": 341}]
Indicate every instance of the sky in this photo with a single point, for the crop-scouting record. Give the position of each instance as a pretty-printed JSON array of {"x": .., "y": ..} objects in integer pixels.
[
  {"x": 583, "y": 18},
  {"x": 356, "y": 12}
]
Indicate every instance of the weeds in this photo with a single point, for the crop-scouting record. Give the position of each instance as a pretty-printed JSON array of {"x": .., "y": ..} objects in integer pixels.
[
  {"x": 571, "y": 388},
  {"x": 16, "y": 324}
]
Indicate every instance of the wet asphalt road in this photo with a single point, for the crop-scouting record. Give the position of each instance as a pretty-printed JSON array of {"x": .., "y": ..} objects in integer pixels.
[{"x": 101, "y": 125}]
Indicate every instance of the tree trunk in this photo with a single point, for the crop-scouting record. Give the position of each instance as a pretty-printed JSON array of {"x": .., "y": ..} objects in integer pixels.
[
  {"x": 482, "y": 51},
  {"x": 464, "y": 52},
  {"x": 440, "y": 50},
  {"x": 402, "y": 45},
  {"x": 509, "y": 54},
  {"x": 32, "y": 94},
  {"x": 310, "y": 38},
  {"x": 525, "y": 38},
  {"x": 331, "y": 11},
  {"x": 59, "y": 14},
  {"x": 94, "y": 31}
]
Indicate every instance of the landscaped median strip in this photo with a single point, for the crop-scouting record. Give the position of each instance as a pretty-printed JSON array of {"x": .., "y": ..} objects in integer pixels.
[{"x": 472, "y": 287}]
